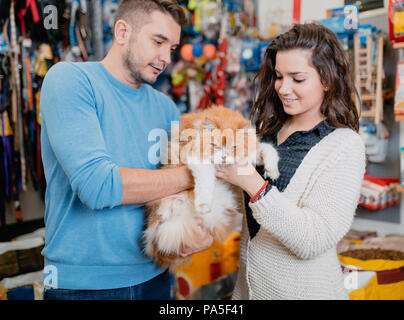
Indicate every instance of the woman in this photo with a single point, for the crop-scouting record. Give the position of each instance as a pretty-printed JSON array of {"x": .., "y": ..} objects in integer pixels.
[{"x": 306, "y": 108}]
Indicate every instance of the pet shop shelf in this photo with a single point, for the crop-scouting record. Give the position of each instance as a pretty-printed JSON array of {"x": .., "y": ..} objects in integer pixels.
[
  {"x": 398, "y": 45},
  {"x": 378, "y": 193},
  {"x": 400, "y": 189},
  {"x": 368, "y": 52},
  {"x": 399, "y": 117}
]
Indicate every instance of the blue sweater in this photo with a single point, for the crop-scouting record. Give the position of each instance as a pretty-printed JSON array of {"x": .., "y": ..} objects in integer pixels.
[{"x": 92, "y": 124}]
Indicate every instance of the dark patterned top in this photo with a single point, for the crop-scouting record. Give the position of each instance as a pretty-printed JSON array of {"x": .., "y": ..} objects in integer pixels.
[{"x": 291, "y": 154}]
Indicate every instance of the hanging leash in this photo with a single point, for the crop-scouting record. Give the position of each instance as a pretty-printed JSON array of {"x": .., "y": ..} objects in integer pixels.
[
  {"x": 6, "y": 132},
  {"x": 20, "y": 132},
  {"x": 97, "y": 34},
  {"x": 29, "y": 4},
  {"x": 18, "y": 175},
  {"x": 82, "y": 46},
  {"x": 73, "y": 12}
]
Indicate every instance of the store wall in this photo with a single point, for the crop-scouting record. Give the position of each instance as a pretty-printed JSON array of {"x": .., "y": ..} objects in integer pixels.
[
  {"x": 316, "y": 10},
  {"x": 275, "y": 11},
  {"x": 390, "y": 167}
]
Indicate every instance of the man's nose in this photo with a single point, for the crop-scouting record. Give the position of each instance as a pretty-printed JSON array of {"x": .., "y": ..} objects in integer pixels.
[{"x": 165, "y": 56}]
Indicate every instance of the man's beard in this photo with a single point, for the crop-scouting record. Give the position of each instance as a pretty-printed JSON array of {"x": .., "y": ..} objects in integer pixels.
[{"x": 134, "y": 73}]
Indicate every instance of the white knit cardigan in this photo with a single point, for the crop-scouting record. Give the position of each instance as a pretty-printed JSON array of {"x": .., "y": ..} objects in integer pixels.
[{"x": 293, "y": 256}]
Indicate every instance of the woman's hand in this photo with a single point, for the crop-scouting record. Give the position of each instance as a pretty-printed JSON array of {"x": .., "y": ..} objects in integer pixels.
[{"x": 244, "y": 176}]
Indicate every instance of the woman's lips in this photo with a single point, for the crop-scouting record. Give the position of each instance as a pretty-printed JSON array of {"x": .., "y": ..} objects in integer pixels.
[{"x": 288, "y": 101}]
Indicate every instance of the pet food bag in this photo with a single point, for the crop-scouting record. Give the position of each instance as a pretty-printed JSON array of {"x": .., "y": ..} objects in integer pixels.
[
  {"x": 379, "y": 267},
  {"x": 357, "y": 237},
  {"x": 207, "y": 266}
]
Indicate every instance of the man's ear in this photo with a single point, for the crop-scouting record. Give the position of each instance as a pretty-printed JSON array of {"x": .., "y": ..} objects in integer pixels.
[{"x": 122, "y": 32}]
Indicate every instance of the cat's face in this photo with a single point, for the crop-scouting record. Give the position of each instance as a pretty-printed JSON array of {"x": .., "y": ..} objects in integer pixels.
[
  {"x": 220, "y": 145},
  {"x": 217, "y": 135}
]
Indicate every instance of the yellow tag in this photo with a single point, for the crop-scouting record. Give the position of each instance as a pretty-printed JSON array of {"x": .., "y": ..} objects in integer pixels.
[
  {"x": 8, "y": 130},
  {"x": 398, "y": 22}
]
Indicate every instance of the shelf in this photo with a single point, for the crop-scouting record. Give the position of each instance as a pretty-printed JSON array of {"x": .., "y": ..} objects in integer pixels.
[
  {"x": 368, "y": 97},
  {"x": 398, "y": 45},
  {"x": 10, "y": 231},
  {"x": 368, "y": 113},
  {"x": 400, "y": 189},
  {"x": 399, "y": 117}
]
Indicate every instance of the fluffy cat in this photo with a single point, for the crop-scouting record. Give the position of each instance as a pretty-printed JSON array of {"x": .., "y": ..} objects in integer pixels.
[{"x": 207, "y": 139}]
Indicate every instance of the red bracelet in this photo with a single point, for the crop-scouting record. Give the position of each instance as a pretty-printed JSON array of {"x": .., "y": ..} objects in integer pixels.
[{"x": 259, "y": 192}]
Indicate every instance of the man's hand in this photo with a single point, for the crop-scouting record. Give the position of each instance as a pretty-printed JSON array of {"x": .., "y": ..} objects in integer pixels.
[{"x": 205, "y": 243}]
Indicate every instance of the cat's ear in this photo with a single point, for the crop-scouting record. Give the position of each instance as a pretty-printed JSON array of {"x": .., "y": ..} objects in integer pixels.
[
  {"x": 209, "y": 125},
  {"x": 246, "y": 125},
  {"x": 197, "y": 124},
  {"x": 249, "y": 126}
]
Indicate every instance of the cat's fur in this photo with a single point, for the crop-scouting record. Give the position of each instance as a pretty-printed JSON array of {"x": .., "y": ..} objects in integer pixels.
[{"x": 170, "y": 221}]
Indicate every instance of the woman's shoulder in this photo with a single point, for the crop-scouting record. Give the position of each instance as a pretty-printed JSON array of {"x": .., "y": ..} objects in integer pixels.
[
  {"x": 348, "y": 134},
  {"x": 344, "y": 138}
]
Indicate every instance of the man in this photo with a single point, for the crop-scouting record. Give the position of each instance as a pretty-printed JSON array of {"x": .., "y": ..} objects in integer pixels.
[{"x": 96, "y": 118}]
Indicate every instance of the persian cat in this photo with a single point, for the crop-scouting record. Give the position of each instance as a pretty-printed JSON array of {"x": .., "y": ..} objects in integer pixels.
[{"x": 213, "y": 137}]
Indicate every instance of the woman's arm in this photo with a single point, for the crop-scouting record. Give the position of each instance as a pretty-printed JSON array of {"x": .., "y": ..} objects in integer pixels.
[{"x": 325, "y": 215}]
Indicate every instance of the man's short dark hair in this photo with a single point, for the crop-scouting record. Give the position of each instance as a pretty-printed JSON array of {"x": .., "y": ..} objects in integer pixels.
[{"x": 136, "y": 12}]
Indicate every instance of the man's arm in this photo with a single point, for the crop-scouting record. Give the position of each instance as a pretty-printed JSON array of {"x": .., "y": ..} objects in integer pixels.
[{"x": 143, "y": 185}]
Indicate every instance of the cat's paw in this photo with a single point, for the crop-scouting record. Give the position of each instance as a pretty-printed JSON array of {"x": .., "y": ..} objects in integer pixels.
[
  {"x": 202, "y": 208},
  {"x": 271, "y": 172},
  {"x": 193, "y": 163}
]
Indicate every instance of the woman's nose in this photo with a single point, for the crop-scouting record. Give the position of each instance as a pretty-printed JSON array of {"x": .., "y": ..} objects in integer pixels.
[{"x": 284, "y": 88}]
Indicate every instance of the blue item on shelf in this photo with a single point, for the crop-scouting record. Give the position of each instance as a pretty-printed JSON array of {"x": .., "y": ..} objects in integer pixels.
[
  {"x": 338, "y": 20},
  {"x": 365, "y": 30},
  {"x": 233, "y": 5},
  {"x": 250, "y": 54},
  {"x": 197, "y": 50}
]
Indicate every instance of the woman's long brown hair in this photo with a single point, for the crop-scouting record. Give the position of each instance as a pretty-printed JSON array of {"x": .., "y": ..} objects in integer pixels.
[{"x": 332, "y": 64}]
